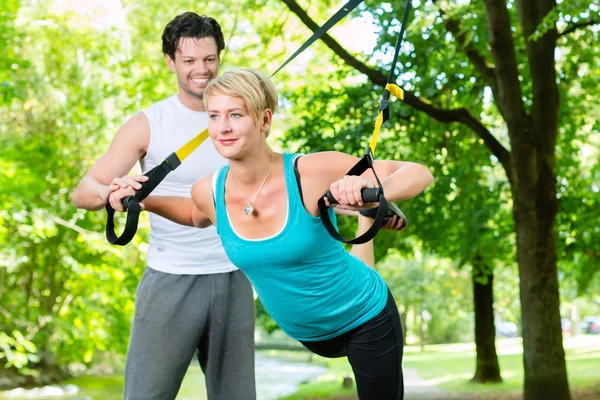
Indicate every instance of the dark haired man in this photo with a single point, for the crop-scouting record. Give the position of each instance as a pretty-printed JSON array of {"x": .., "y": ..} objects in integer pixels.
[{"x": 190, "y": 298}]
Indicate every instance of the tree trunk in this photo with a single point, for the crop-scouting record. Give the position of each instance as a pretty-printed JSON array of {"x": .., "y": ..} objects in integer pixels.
[
  {"x": 532, "y": 126},
  {"x": 532, "y": 136},
  {"x": 403, "y": 319},
  {"x": 543, "y": 352},
  {"x": 487, "y": 368},
  {"x": 535, "y": 208}
]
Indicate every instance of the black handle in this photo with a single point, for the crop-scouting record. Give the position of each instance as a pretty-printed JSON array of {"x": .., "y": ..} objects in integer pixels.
[
  {"x": 125, "y": 201},
  {"x": 369, "y": 195},
  {"x": 392, "y": 210}
]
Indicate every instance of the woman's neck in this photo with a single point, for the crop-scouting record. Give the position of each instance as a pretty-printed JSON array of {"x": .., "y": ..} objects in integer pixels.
[{"x": 252, "y": 170}]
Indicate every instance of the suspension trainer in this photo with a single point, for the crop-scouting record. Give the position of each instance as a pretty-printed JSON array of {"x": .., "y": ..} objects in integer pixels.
[
  {"x": 174, "y": 160},
  {"x": 366, "y": 162}
]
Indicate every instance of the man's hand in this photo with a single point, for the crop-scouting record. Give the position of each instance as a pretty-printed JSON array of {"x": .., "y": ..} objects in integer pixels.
[
  {"x": 123, "y": 187},
  {"x": 394, "y": 223}
]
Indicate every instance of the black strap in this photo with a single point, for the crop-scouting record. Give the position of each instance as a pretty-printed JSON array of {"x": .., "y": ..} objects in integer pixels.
[
  {"x": 385, "y": 101},
  {"x": 132, "y": 203},
  {"x": 337, "y": 17},
  {"x": 367, "y": 161},
  {"x": 361, "y": 166},
  {"x": 393, "y": 210},
  {"x": 173, "y": 161}
]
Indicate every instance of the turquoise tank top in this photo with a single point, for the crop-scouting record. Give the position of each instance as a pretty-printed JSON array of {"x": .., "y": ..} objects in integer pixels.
[{"x": 309, "y": 284}]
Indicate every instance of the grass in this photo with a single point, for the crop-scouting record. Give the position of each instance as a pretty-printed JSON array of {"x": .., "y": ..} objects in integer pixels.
[{"x": 450, "y": 367}]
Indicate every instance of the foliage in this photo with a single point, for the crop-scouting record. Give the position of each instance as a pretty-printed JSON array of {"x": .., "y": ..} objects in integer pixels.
[
  {"x": 69, "y": 76},
  {"x": 16, "y": 350},
  {"x": 64, "y": 290},
  {"x": 452, "y": 365}
]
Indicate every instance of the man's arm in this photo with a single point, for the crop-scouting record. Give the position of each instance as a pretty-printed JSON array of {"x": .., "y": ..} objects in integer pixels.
[
  {"x": 109, "y": 172},
  {"x": 366, "y": 251}
]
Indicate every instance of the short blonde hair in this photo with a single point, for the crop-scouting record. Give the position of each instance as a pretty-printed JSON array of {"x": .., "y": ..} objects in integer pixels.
[{"x": 252, "y": 85}]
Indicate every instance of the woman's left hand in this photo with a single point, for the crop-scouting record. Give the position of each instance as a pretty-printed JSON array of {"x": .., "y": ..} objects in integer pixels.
[{"x": 347, "y": 192}]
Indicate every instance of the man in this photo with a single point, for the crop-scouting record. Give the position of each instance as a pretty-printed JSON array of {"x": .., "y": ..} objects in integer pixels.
[{"x": 190, "y": 298}]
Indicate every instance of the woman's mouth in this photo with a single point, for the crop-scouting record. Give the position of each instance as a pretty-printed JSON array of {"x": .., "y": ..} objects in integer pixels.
[{"x": 227, "y": 142}]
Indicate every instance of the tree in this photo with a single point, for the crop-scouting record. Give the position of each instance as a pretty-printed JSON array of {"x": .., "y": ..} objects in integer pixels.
[
  {"x": 439, "y": 218},
  {"x": 65, "y": 293},
  {"x": 520, "y": 70}
]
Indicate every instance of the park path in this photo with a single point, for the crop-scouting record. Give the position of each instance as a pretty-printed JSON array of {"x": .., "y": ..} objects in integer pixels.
[{"x": 416, "y": 388}]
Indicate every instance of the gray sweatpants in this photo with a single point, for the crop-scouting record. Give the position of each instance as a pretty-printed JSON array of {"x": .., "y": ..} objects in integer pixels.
[{"x": 177, "y": 315}]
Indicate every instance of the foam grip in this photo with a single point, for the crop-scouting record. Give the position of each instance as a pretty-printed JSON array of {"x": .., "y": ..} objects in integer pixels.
[{"x": 369, "y": 195}]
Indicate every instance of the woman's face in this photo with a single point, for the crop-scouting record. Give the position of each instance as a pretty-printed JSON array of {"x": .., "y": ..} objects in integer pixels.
[{"x": 231, "y": 126}]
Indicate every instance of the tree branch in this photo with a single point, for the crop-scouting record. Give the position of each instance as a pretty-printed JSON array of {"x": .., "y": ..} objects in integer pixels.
[
  {"x": 375, "y": 76},
  {"x": 541, "y": 54},
  {"x": 503, "y": 50},
  {"x": 486, "y": 72},
  {"x": 18, "y": 322},
  {"x": 578, "y": 25},
  {"x": 461, "y": 115}
]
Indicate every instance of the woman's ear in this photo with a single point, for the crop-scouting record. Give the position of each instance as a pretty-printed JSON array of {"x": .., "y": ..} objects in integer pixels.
[{"x": 267, "y": 118}]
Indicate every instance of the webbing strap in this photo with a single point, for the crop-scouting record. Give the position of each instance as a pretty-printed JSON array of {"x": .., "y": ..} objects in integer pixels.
[
  {"x": 337, "y": 17},
  {"x": 176, "y": 158},
  {"x": 399, "y": 94},
  {"x": 358, "y": 169},
  {"x": 132, "y": 203},
  {"x": 190, "y": 146},
  {"x": 382, "y": 116},
  {"x": 155, "y": 177}
]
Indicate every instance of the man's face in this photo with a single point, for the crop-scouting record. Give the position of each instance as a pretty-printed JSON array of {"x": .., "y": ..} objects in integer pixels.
[{"x": 196, "y": 63}]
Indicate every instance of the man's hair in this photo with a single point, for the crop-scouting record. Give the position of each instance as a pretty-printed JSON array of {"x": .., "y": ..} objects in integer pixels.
[
  {"x": 252, "y": 85},
  {"x": 190, "y": 25}
]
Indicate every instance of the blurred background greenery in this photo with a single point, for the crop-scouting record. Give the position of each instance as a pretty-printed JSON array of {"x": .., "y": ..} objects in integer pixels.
[{"x": 72, "y": 71}]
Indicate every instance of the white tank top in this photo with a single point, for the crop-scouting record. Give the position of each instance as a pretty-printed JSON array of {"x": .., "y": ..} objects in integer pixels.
[{"x": 174, "y": 248}]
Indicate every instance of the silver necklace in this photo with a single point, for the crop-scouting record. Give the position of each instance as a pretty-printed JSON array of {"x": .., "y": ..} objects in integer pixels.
[{"x": 248, "y": 209}]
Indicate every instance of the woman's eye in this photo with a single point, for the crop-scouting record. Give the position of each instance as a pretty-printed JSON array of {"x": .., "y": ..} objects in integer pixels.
[
  {"x": 235, "y": 115},
  {"x": 213, "y": 116}
]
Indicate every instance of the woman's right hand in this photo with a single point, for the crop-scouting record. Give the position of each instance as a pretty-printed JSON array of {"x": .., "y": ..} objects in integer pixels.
[{"x": 348, "y": 193}]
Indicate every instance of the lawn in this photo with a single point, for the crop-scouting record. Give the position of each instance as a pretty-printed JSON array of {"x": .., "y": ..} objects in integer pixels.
[{"x": 450, "y": 367}]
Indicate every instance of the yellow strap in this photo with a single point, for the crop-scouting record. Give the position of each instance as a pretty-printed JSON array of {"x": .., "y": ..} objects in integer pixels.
[
  {"x": 190, "y": 146},
  {"x": 399, "y": 94}
]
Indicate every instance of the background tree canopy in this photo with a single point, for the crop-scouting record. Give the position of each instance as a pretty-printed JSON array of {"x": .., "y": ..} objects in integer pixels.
[{"x": 72, "y": 72}]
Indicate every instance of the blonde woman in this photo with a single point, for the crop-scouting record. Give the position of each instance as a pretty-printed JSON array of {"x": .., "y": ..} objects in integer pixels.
[{"x": 267, "y": 218}]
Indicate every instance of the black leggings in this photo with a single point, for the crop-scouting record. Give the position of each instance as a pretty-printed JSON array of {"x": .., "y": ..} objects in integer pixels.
[{"x": 374, "y": 351}]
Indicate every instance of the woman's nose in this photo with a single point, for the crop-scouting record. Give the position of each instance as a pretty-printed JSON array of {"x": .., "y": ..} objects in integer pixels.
[{"x": 225, "y": 126}]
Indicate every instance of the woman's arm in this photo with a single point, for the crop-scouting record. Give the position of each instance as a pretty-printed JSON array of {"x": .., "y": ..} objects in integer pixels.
[
  {"x": 364, "y": 251},
  {"x": 401, "y": 180},
  {"x": 181, "y": 210},
  {"x": 326, "y": 171}
]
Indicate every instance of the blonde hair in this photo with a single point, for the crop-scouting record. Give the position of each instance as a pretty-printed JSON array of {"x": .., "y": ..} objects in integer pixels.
[{"x": 252, "y": 85}]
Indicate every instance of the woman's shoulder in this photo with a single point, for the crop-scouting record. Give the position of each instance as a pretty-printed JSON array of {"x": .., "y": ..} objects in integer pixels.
[
  {"x": 205, "y": 186},
  {"x": 326, "y": 160}
]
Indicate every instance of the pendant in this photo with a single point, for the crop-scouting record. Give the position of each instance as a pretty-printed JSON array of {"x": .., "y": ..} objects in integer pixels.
[{"x": 248, "y": 209}]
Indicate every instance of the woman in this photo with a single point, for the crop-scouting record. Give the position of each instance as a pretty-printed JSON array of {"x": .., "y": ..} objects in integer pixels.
[{"x": 267, "y": 218}]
